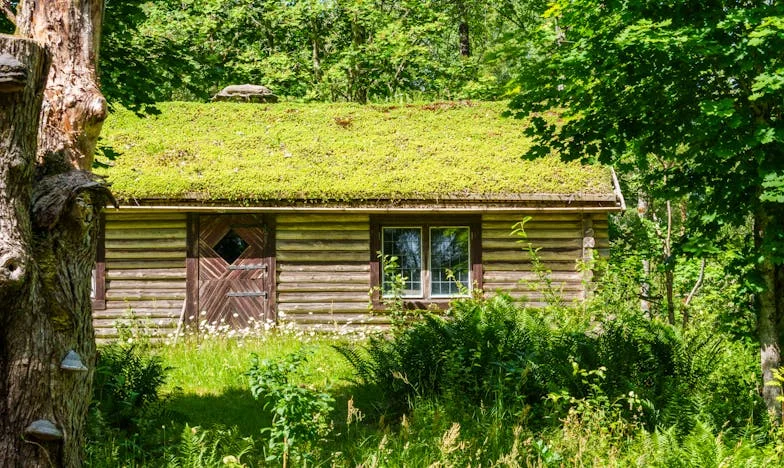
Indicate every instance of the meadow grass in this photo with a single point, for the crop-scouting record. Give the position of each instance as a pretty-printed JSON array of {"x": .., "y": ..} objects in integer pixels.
[{"x": 212, "y": 420}]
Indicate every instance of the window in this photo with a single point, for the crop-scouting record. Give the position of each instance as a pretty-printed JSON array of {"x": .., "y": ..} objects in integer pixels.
[{"x": 437, "y": 259}]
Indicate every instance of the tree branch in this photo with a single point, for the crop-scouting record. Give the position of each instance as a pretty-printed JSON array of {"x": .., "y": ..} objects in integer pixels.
[
  {"x": 8, "y": 9},
  {"x": 697, "y": 285}
]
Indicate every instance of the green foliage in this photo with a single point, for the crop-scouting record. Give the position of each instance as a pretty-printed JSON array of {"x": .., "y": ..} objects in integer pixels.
[
  {"x": 491, "y": 352},
  {"x": 592, "y": 425},
  {"x": 138, "y": 65},
  {"x": 331, "y": 152},
  {"x": 127, "y": 381},
  {"x": 319, "y": 50},
  {"x": 300, "y": 414},
  {"x": 687, "y": 95},
  {"x": 125, "y": 405},
  {"x": 210, "y": 448}
]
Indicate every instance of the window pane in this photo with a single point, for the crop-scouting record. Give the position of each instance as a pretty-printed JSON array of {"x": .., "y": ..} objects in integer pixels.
[
  {"x": 406, "y": 245},
  {"x": 449, "y": 257}
]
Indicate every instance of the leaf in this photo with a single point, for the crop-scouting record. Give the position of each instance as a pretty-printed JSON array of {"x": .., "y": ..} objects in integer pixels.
[{"x": 773, "y": 185}]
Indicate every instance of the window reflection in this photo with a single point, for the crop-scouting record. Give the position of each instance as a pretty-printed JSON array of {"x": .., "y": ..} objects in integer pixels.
[
  {"x": 406, "y": 245},
  {"x": 449, "y": 261}
]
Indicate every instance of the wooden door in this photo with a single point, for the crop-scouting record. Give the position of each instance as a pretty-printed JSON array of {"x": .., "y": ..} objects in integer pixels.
[{"x": 234, "y": 273}]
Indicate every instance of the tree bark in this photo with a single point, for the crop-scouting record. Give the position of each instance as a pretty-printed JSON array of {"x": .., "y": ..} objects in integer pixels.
[
  {"x": 770, "y": 320},
  {"x": 49, "y": 206},
  {"x": 74, "y": 108},
  {"x": 465, "y": 39}
]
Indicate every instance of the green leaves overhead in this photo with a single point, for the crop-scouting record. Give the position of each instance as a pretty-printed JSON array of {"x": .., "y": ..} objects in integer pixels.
[
  {"x": 688, "y": 93},
  {"x": 324, "y": 50}
]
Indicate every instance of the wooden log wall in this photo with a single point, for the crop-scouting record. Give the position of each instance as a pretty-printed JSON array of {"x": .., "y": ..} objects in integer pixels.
[
  {"x": 323, "y": 272},
  {"x": 145, "y": 271},
  {"x": 562, "y": 239}
]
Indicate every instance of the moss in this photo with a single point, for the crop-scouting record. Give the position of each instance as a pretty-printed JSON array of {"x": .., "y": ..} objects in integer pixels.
[{"x": 331, "y": 152}]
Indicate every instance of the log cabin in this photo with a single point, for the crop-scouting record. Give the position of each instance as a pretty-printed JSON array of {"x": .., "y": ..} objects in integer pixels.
[{"x": 282, "y": 213}]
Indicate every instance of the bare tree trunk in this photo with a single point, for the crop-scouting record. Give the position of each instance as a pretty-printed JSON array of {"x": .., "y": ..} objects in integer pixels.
[
  {"x": 465, "y": 39},
  {"x": 693, "y": 293},
  {"x": 669, "y": 267},
  {"x": 769, "y": 321},
  {"x": 74, "y": 108},
  {"x": 47, "y": 345},
  {"x": 645, "y": 287}
]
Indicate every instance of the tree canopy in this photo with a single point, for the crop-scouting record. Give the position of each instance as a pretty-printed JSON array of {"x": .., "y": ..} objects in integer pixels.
[
  {"x": 687, "y": 93},
  {"x": 334, "y": 50}
]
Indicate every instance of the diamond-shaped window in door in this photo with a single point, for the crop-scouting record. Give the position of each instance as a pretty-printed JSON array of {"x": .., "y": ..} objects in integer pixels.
[{"x": 231, "y": 246}]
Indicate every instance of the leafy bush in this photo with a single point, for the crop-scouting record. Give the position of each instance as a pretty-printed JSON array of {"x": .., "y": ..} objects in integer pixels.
[
  {"x": 300, "y": 414},
  {"x": 127, "y": 381},
  {"x": 492, "y": 352},
  {"x": 125, "y": 404}
]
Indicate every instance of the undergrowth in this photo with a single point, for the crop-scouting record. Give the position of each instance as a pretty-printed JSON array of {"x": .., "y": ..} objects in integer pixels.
[{"x": 494, "y": 384}]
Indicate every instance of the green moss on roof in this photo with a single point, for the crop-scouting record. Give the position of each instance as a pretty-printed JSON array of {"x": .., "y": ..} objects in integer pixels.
[{"x": 232, "y": 151}]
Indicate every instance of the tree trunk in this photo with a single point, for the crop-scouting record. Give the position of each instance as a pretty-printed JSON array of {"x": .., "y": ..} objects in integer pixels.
[
  {"x": 465, "y": 39},
  {"x": 74, "y": 108},
  {"x": 645, "y": 287},
  {"x": 769, "y": 321},
  {"x": 48, "y": 225}
]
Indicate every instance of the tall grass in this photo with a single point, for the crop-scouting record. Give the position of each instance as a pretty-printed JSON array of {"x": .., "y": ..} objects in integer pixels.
[{"x": 494, "y": 385}]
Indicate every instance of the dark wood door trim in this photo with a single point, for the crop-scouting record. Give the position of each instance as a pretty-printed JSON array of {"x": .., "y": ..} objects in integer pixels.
[{"x": 192, "y": 271}]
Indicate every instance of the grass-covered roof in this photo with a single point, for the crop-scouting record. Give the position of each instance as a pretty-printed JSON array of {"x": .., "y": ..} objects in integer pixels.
[{"x": 332, "y": 152}]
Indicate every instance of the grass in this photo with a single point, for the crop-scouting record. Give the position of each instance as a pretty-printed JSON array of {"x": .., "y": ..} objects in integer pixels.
[
  {"x": 211, "y": 420},
  {"x": 207, "y": 385},
  {"x": 332, "y": 152}
]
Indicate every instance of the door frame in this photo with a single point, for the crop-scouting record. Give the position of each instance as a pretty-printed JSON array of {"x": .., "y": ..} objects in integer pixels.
[{"x": 191, "y": 316}]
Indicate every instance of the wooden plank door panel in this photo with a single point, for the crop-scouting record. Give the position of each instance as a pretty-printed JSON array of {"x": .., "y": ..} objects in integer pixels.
[{"x": 236, "y": 294}]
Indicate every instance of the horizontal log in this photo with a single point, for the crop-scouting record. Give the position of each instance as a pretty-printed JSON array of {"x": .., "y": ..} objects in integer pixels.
[
  {"x": 153, "y": 323},
  {"x": 311, "y": 277},
  {"x": 151, "y": 254},
  {"x": 145, "y": 295},
  {"x": 534, "y": 287},
  {"x": 147, "y": 273},
  {"x": 139, "y": 313},
  {"x": 150, "y": 263},
  {"x": 568, "y": 266},
  {"x": 321, "y": 218},
  {"x": 330, "y": 307},
  {"x": 322, "y": 256},
  {"x": 162, "y": 304},
  {"x": 324, "y": 267},
  {"x": 537, "y": 234},
  {"x": 112, "y": 215},
  {"x": 143, "y": 232},
  {"x": 546, "y": 243},
  {"x": 144, "y": 284},
  {"x": 514, "y": 276},
  {"x": 524, "y": 256},
  {"x": 144, "y": 225},
  {"x": 322, "y": 287},
  {"x": 362, "y": 235},
  {"x": 334, "y": 296},
  {"x": 331, "y": 226},
  {"x": 328, "y": 245},
  {"x": 565, "y": 295},
  {"x": 506, "y": 217},
  {"x": 531, "y": 225},
  {"x": 341, "y": 319},
  {"x": 145, "y": 244}
]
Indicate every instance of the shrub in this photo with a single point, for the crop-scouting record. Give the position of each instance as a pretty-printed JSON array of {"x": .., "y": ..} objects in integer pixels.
[
  {"x": 300, "y": 414},
  {"x": 125, "y": 407}
]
